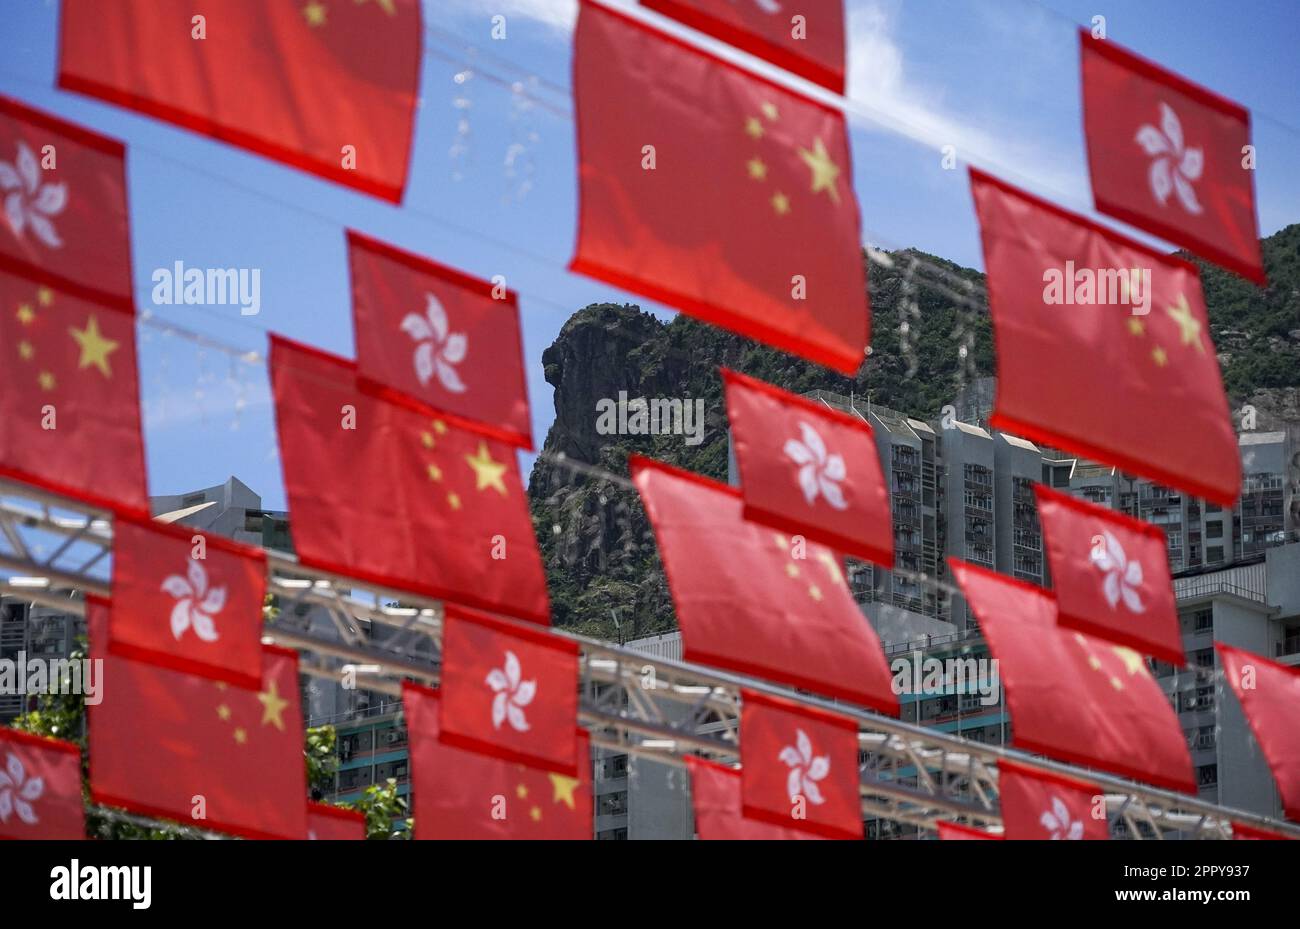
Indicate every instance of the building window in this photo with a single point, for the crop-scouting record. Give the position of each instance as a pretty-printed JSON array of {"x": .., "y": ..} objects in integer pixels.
[{"x": 1214, "y": 530}]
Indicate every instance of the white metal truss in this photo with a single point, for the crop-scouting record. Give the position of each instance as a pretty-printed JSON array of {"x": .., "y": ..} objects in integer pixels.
[{"x": 55, "y": 551}]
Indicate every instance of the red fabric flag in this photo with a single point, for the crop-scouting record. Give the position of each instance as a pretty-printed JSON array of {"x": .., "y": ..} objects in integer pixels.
[
  {"x": 956, "y": 832},
  {"x": 1040, "y": 805},
  {"x": 715, "y": 797},
  {"x": 1270, "y": 697},
  {"x": 440, "y": 338},
  {"x": 1073, "y": 696},
  {"x": 808, "y": 40},
  {"x": 384, "y": 494},
  {"x": 1169, "y": 156},
  {"x": 40, "y": 788},
  {"x": 751, "y": 599},
  {"x": 799, "y": 767},
  {"x": 70, "y": 402},
  {"x": 1087, "y": 322},
  {"x": 460, "y": 794},
  {"x": 201, "y": 752},
  {"x": 808, "y": 469},
  {"x": 696, "y": 176},
  {"x": 63, "y": 213},
  {"x": 1111, "y": 575},
  {"x": 188, "y": 601},
  {"x": 327, "y": 823},
  {"x": 1240, "y": 831},
  {"x": 509, "y": 691},
  {"x": 326, "y": 87}
]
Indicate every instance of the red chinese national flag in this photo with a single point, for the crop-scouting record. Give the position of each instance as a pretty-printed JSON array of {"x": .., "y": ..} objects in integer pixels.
[
  {"x": 809, "y": 469},
  {"x": 40, "y": 788},
  {"x": 1073, "y": 696},
  {"x": 799, "y": 767},
  {"x": 63, "y": 213},
  {"x": 169, "y": 744},
  {"x": 1241, "y": 831},
  {"x": 187, "y": 600},
  {"x": 949, "y": 832},
  {"x": 1087, "y": 322},
  {"x": 807, "y": 39},
  {"x": 1111, "y": 575},
  {"x": 752, "y": 599},
  {"x": 695, "y": 178},
  {"x": 439, "y": 337},
  {"x": 1270, "y": 697},
  {"x": 460, "y": 794},
  {"x": 719, "y": 816},
  {"x": 327, "y": 86},
  {"x": 508, "y": 690},
  {"x": 1170, "y": 157},
  {"x": 385, "y": 494},
  {"x": 69, "y": 396},
  {"x": 1040, "y": 805},
  {"x": 327, "y": 823}
]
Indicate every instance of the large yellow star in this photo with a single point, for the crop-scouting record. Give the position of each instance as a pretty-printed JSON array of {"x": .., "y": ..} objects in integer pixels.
[
  {"x": 825, "y": 173},
  {"x": 1133, "y": 662},
  {"x": 563, "y": 788},
  {"x": 95, "y": 347},
  {"x": 273, "y": 706},
  {"x": 487, "y": 472},
  {"x": 1189, "y": 327}
]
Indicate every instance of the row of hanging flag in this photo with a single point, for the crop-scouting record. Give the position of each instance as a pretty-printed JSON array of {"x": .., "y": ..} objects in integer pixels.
[{"x": 702, "y": 185}]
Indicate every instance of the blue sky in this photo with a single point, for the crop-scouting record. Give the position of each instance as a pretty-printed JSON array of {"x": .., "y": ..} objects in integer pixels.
[{"x": 996, "y": 80}]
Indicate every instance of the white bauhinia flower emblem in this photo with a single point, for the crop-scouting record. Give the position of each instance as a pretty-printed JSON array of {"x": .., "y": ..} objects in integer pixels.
[
  {"x": 805, "y": 770},
  {"x": 1059, "y": 824},
  {"x": 197, "y": 605},
  {"x": 1122, "y": 576},
  {"x": 819, "y": 473},
  {"x": 1174, "y": 166},
  {"x": 512, "y": 694},
  {"x": 29, "y": 204},
  {"x": 437, "y": 349},
  {"x": 18, "y": 792}
]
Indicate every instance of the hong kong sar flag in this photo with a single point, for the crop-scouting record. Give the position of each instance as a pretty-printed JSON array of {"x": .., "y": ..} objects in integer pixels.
[
  {"x": 327, "y": 823},
  {"x": 799, "y": 767},
  {"x": 1103, "y": 346},
  {"x": 695, "y": 177},
  {"x": 1042, "y": 805},
  {"x": 808, "y": 469},
  {"x": 719, "y": 811},
  {"x": 509, "y": 690},
  {"x": 1270, "y": 697},
  {"x": 756, "y": 600},
  {"x": 40, "y": 788},
  {"x": 1111, "y": 575},
  {"x": 327, "y": 87},
  {"x": 437, "y": 336},
  {"x": 807, "y": 39},
  {"x": 1170, "y": 157},
  {"x": 1071, "y": 695},
  {"x": 461, "y": 794},
  {"x": 949, "y": 832},
  {"x": 63, "y": 212},
  {"x": 187, "y": 600}
]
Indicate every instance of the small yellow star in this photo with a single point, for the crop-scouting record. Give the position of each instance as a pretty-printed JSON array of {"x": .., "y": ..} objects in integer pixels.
[
  {"x": 385, "y": 5},
  {"x": 46, "y": 380},
  {"x": 25, "y": 314},
  {"x": 757, "y": 170},
  {"x": 825, "y": 173},
  {"x": 1094, "y": 662},
  {"x": 435, "y": 473},
  {"x": 1159, "y": 356},
  {"x": 1135, "y": 326},
  {"x": 487, "y": 472},
  {"x": 95, "y": 347},
  {"x": 770, "y": 111},
  {"x": 1189, "y": 327},
  {"x": 754, "y": 127},
  {"x": 453, "y": 500},
  {"x": 563, "y": 788},
  {"x": 815, "y": 592},
  {"x": 220, "y": 685},
  {"x": 426, "y": 439},
  {"x": 781, "y": 541},
  {"x": 780, "y": 203},
  {"x": 521, "y": 792},
  {"x": 25, "y": 350},
  {"x": 44, "y": 296},
  {"x": 1116, "y": 683},
  {"x": 832, "y": 566},
  {"x": 315, "y": 14},
  {"x": 241, "y": 736},
  {"x": 791, "y": 570},
  {"x": 536, "y": 814},
  {"x": 439, "y": 427},
  {"x": 273, "y": 706},
  {"x": 223, "y": 711}
]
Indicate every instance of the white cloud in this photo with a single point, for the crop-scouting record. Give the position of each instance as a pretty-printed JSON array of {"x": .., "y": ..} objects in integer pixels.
[{"x": 558, "y": 15}]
